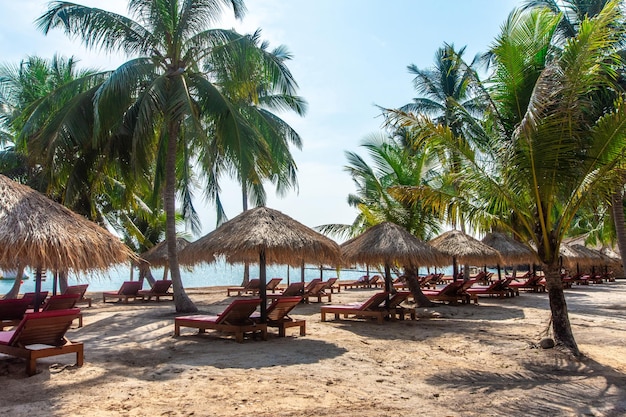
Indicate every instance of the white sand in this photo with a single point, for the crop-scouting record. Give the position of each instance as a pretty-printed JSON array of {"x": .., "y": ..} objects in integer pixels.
[{"x": 471, "y": 361}]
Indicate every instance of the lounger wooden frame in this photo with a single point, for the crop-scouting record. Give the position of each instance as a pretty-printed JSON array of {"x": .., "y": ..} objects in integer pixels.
[
  {"x": 159, "y": 289},
  {"x": 278, "y": 315},
  {"x": 128, "y": 290},
  {"x": 80, "y": 289},
  {"x": 235, "y": 319},
  {"x": 364, "y": 310},
  {"x": 45, "y": 328},
  {"x": 252, "y": 286}
]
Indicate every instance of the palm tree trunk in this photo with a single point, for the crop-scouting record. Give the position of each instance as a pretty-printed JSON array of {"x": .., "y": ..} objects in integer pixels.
[
  {"x": 244, "y": 198},
  {"x": 561, "y": 326},
  {"x": 617, "y": 208},
  {"x": 411, "y": 279},
  {"x": 15, "y": 289},
  {"x": 182, "y": 302}
]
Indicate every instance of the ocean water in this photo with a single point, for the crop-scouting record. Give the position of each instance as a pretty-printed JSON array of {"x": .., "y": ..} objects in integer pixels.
[{"x": 204, "y": 275}]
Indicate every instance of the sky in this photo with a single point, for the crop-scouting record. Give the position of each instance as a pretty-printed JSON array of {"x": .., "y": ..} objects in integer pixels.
[{"x": 349, "y": 56}]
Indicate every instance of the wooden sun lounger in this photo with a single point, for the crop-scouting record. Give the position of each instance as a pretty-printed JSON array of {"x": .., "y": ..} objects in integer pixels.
[
  {"x": 235, "y": 319},
  {"x": 80, "y": 289},
  {"x": 128, "y": 290},
  {"x": 294, "y": 289},
  {"x": 278, "y": 315},
  {"x": 62, "y": 302},
  {"x": 12, "y": 311},
  {"x": 317, "y": 291},
  {"x": 252, "y": 286},
  {"x": 161, "y": 288},
  {"x": 367, "y": 309},
  {"x": 452, "y": 293},
  {"x": 40, "y": 335},
  {"x": 362, "y": 282},
  {"x": 395, "y": 308}
]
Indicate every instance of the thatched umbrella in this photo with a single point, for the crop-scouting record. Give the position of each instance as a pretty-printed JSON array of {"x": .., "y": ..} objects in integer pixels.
[
  {"x": 511, "y": 250},
  {"x": 157, "y": 255},
  {"x": 570, "y": 257},
  {"x": 41, "y": 233},
  {"x": 464, "y": 248},
  {"x": 266, "y": 236},
  {"x": 388, "y": 244}
]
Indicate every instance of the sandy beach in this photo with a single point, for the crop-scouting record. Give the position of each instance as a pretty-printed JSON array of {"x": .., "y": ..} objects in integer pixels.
[{"x": 462, "y": 360}]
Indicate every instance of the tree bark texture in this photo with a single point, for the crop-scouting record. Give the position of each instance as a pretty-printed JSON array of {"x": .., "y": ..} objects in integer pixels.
[
  {"x": 561, "y": 326},
  {"x": 617, "y": 209},
  {"x": 411, "y": 279},
  {"x": 182, "y": 302}
]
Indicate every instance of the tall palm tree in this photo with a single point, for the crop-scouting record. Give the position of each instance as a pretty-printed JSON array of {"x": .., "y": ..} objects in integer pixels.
[
  {"x": 573, "y": 13},
  {"x": 397, "y": 163},
  {"x": 160, "y": 98},
  {"x": 447, "y": 94},
  {"x": 257, "y": 81},
  {"x": 565, "y": 148}
]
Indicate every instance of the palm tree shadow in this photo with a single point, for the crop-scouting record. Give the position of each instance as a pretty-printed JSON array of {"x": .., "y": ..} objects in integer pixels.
[{"x": 565, "y": 386}]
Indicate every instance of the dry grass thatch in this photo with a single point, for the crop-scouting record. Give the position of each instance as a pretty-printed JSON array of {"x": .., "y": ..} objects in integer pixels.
[
  {"x": 570, "y": 257},
  {"x": 388, "y": 244},
  {"x": 36, "y": 231},
  {"x": 283, "y": 240},
  {"x": 465, "y": 248},
  {"x": 511, "y": 251},
  {"x": 157, "y": 255},
  {"x": 588, "y": 257}
]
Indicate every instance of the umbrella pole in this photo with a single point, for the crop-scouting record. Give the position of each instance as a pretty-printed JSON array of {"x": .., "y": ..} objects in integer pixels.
[
  {"x": 499, "y": 273},
  {"x": 287, "y": 275},
  {"x": 455, "y": 269},
  {"x": 302, "y": 277},
  {"x": 55, "y": 281},
  {"x": 387, "y": 284},
  {"x": 262, "y": 289},
  {"x": 36, "y": 302}
]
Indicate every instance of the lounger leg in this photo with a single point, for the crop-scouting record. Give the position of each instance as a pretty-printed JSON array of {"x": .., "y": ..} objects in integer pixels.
[
  {"x": 264, "y": 333},
  {"x": 80, "y": 357},
  {"x": 176, "y": 330},
  {"x": 239, "y": 337},
  {"x": 281, "y": 330},
  {"x": 303, "y": 329},
  {"x": 31, "y": 366}
]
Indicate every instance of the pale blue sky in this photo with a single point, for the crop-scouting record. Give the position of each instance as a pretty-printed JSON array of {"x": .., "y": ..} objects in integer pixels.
[{"x": 348, "y": 55}]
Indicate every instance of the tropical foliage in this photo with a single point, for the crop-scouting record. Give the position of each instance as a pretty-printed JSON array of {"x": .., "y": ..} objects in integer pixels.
[{"x": 550, "y": 145}]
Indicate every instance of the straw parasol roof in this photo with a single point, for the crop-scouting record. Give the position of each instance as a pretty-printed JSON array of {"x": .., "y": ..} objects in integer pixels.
[
  {"x": 39, "y": 232},
  {"x": 263, "y": 235},
  {"x": 388, "y": 243},
  {"x": 157, "y": 255},
  {"x": 588, "y": 257},
  {"x": 280, "y": 238},
  {"x": 511, "y": 251},
  {"x": 465, "y": 249},
  {"x": 610, "y": 253},
  {"x": 571, "y": 257}
]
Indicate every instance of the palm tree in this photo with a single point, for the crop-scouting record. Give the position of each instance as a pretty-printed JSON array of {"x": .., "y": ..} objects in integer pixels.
[
  {"x": 159, "y": 100},
  {"x": 448, "y": 95},
  {"x": 258, "y": 83},
  {"x": 573, "y": 13},
  {"x": 564, "y": 149},
  {"x": 397, "y": 163}
]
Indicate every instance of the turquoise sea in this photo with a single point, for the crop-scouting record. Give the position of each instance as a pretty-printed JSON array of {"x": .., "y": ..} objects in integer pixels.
[{"x": 204, "y": 275}]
